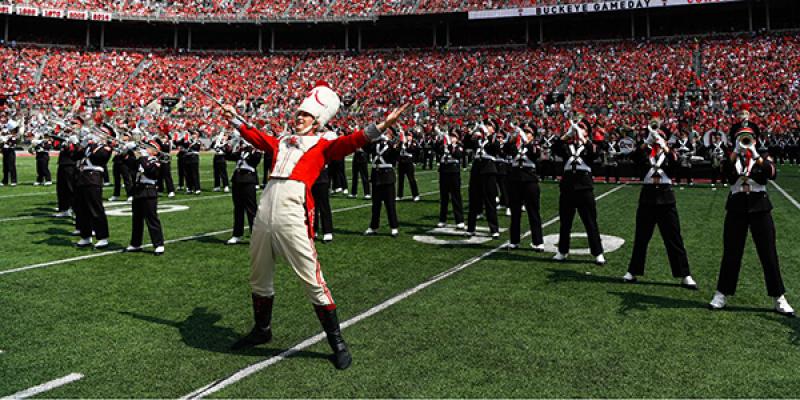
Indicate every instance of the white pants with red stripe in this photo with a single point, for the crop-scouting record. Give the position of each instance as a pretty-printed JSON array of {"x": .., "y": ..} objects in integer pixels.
[{"x": 280, "y": 231}]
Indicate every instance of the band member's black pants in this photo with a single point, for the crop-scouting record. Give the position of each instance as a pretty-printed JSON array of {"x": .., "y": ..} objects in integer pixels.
[
  {"x": 89, "y": 212},
  {"x": 384, "y": 194},
  {"x": 192, "y": 170},
  {"x": 122, "y": 176},
  {"x": 220, "y": 171},
  {"x": 762, "y": 228},
  {"x": 43, "y": 169},
  {"x": 244, "y": 204},
  {"x": 684, "y": 173},
  {"x": 181, "y": 171},
  {"x": 360, "y": 171},
  {"x": 482, "y": 198},
  {"x": 9, "y": 166},
  {"x": 145, "y": 210},
  {"x": 450, "y": 192},
  {"x": 583, "y": 202},
  {"x": 406, "y": 169},
  {"x": 322, "y": 207},
  {"x": 527, "y": 194},
  {"x": 165, "y": 182},
  {"x": 612, "y": 171},
  {"x": 502, "y": 189},
  {"x": 65, "y": 186},
  {"x": 669, "y": 225}
]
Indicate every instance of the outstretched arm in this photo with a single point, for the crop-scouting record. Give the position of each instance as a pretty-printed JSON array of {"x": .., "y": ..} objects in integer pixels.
[
  {"x": 345, "y": 145},
  {"x": 257, "y": 138}
]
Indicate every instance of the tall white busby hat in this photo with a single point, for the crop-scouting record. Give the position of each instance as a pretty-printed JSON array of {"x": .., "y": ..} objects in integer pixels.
[{"x": 322, "y": 103}]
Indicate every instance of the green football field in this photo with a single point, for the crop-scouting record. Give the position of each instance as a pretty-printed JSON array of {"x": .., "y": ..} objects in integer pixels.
[{"x": 422, "y": 320}]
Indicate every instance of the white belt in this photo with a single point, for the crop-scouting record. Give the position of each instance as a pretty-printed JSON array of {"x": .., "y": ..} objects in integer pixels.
[
  {"x": 92, "y": 168},
  {"x": 525, "y": 165},
  {"x": 247, "y": 168},
  {"x": 146, "y": 180},
  {"x": 383, "y": 166},
  {"x": 487, "y": 157}
]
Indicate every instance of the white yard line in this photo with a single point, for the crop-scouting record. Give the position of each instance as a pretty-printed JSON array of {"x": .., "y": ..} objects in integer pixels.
[
  {"x": 45, "y": 387},
  {"x": 114, "y": 204},
  {"x": 785, "y": 194},
  {"x": 253, "y": 368},
  {"x": 183, "y": 239}
]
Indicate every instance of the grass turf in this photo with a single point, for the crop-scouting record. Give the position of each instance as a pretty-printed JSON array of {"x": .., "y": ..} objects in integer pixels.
[{"x": 512, "y": 325}]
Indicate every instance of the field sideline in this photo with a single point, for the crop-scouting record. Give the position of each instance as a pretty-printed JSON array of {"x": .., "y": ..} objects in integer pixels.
[{"x": 499, "y": 324}]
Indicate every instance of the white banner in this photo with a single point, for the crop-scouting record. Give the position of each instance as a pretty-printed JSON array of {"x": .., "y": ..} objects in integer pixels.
[
  {"x": 598, "y": 6},
  {"x": 52, "y": 13},
  {"x": 73, "y": 14},
  {"x": 5, "y": 9},
  {"x": 27, "y": 11},
  {"x": 101, "y": 16}
]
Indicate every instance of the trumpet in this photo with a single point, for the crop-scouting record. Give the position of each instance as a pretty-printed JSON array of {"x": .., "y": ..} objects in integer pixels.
[{"x": 745, "y": 140}]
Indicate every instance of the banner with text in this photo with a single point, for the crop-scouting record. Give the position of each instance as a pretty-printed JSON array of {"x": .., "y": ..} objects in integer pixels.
[{"x": 598, "y": 6}]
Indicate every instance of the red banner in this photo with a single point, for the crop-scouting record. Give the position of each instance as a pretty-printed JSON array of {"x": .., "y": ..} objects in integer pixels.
[
  {"x": 28, "y": 11},
  {"x": 72, "y": 14},
  {"x": 101, "y": 16}
]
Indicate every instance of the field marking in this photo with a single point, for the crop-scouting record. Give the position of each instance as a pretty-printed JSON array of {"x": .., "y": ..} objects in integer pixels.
[
  {"x": 183, "y": 239},
  {"x": 45, "y": 387},
  {"x": 115, "y": 204},
  {"x": 220, "y": 384},
  {"x": 785, "y": 194}
]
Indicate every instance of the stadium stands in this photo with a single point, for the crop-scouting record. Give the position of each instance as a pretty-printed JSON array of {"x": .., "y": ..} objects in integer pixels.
[
  {"x": 622, "y": 81},
  {"x": 283, "y": 9}
]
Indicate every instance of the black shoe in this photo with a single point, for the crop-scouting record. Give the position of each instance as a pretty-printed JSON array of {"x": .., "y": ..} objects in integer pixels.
[{"x": 256, "y": 337}]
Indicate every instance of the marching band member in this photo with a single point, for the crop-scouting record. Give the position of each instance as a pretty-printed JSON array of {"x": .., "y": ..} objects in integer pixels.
[
  {"x": 450, "y": 154},
  {"x": 405, "y": 165},
  {"x": 41, "y": 148},
  {"x": 219, "y": 163},
  {"x": 547, "y": 163},
  {"x": 483, "y": 180},
  {"x": 123, "y": 166},
  {"x": 717, "y": 150},
  {"x": 192, "y": 164},
  {"x": 182, "y": 143},
  {"x": 611, "y": 155},
  {"x": 245, "y": 181},
  {"x": 576, "y": 188},
  {"x": 523, "y": 188},
  {"x": 748, "y": 208},
  {"x": 145, "y": 200},
  {"x": 657, "y": 207},
  {"x": 384, "y": 158},
  {"x": 321, "y": 190},
  {"x": 283, "y": 227},
  {"x": 685, "y": 149},
  {"x": 8, "y": 140},
  {"x": 66, "y": 172},
  {"x": 90, "y": 215},
  {"x": 165, "y": 182},
  {"x": 359, "y": 166},
  {"x": 502, "y": 163}
]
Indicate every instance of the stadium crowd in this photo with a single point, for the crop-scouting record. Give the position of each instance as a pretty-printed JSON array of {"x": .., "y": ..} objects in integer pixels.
[
  {"x": 278, "y": 9},
  {"x": 619, "y": 85}
]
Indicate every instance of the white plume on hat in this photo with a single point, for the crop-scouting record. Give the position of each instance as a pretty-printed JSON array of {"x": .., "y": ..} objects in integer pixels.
[{"x": 322, "y": 103}]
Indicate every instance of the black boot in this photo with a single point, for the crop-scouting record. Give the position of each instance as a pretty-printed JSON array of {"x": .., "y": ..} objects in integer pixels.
[
  {"x": 262, "y": 331},
  {"x": 330, "y": 323}
]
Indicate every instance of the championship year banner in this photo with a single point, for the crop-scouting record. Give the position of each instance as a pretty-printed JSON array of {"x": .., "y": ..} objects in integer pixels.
[
  {"x": 598, "y": 6},
  {"x": 73, "y": 14},
  {"x": 27, "y": 11},
  {"x": 52, "y": 13},
  {"x": 5, "y": 9}
]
